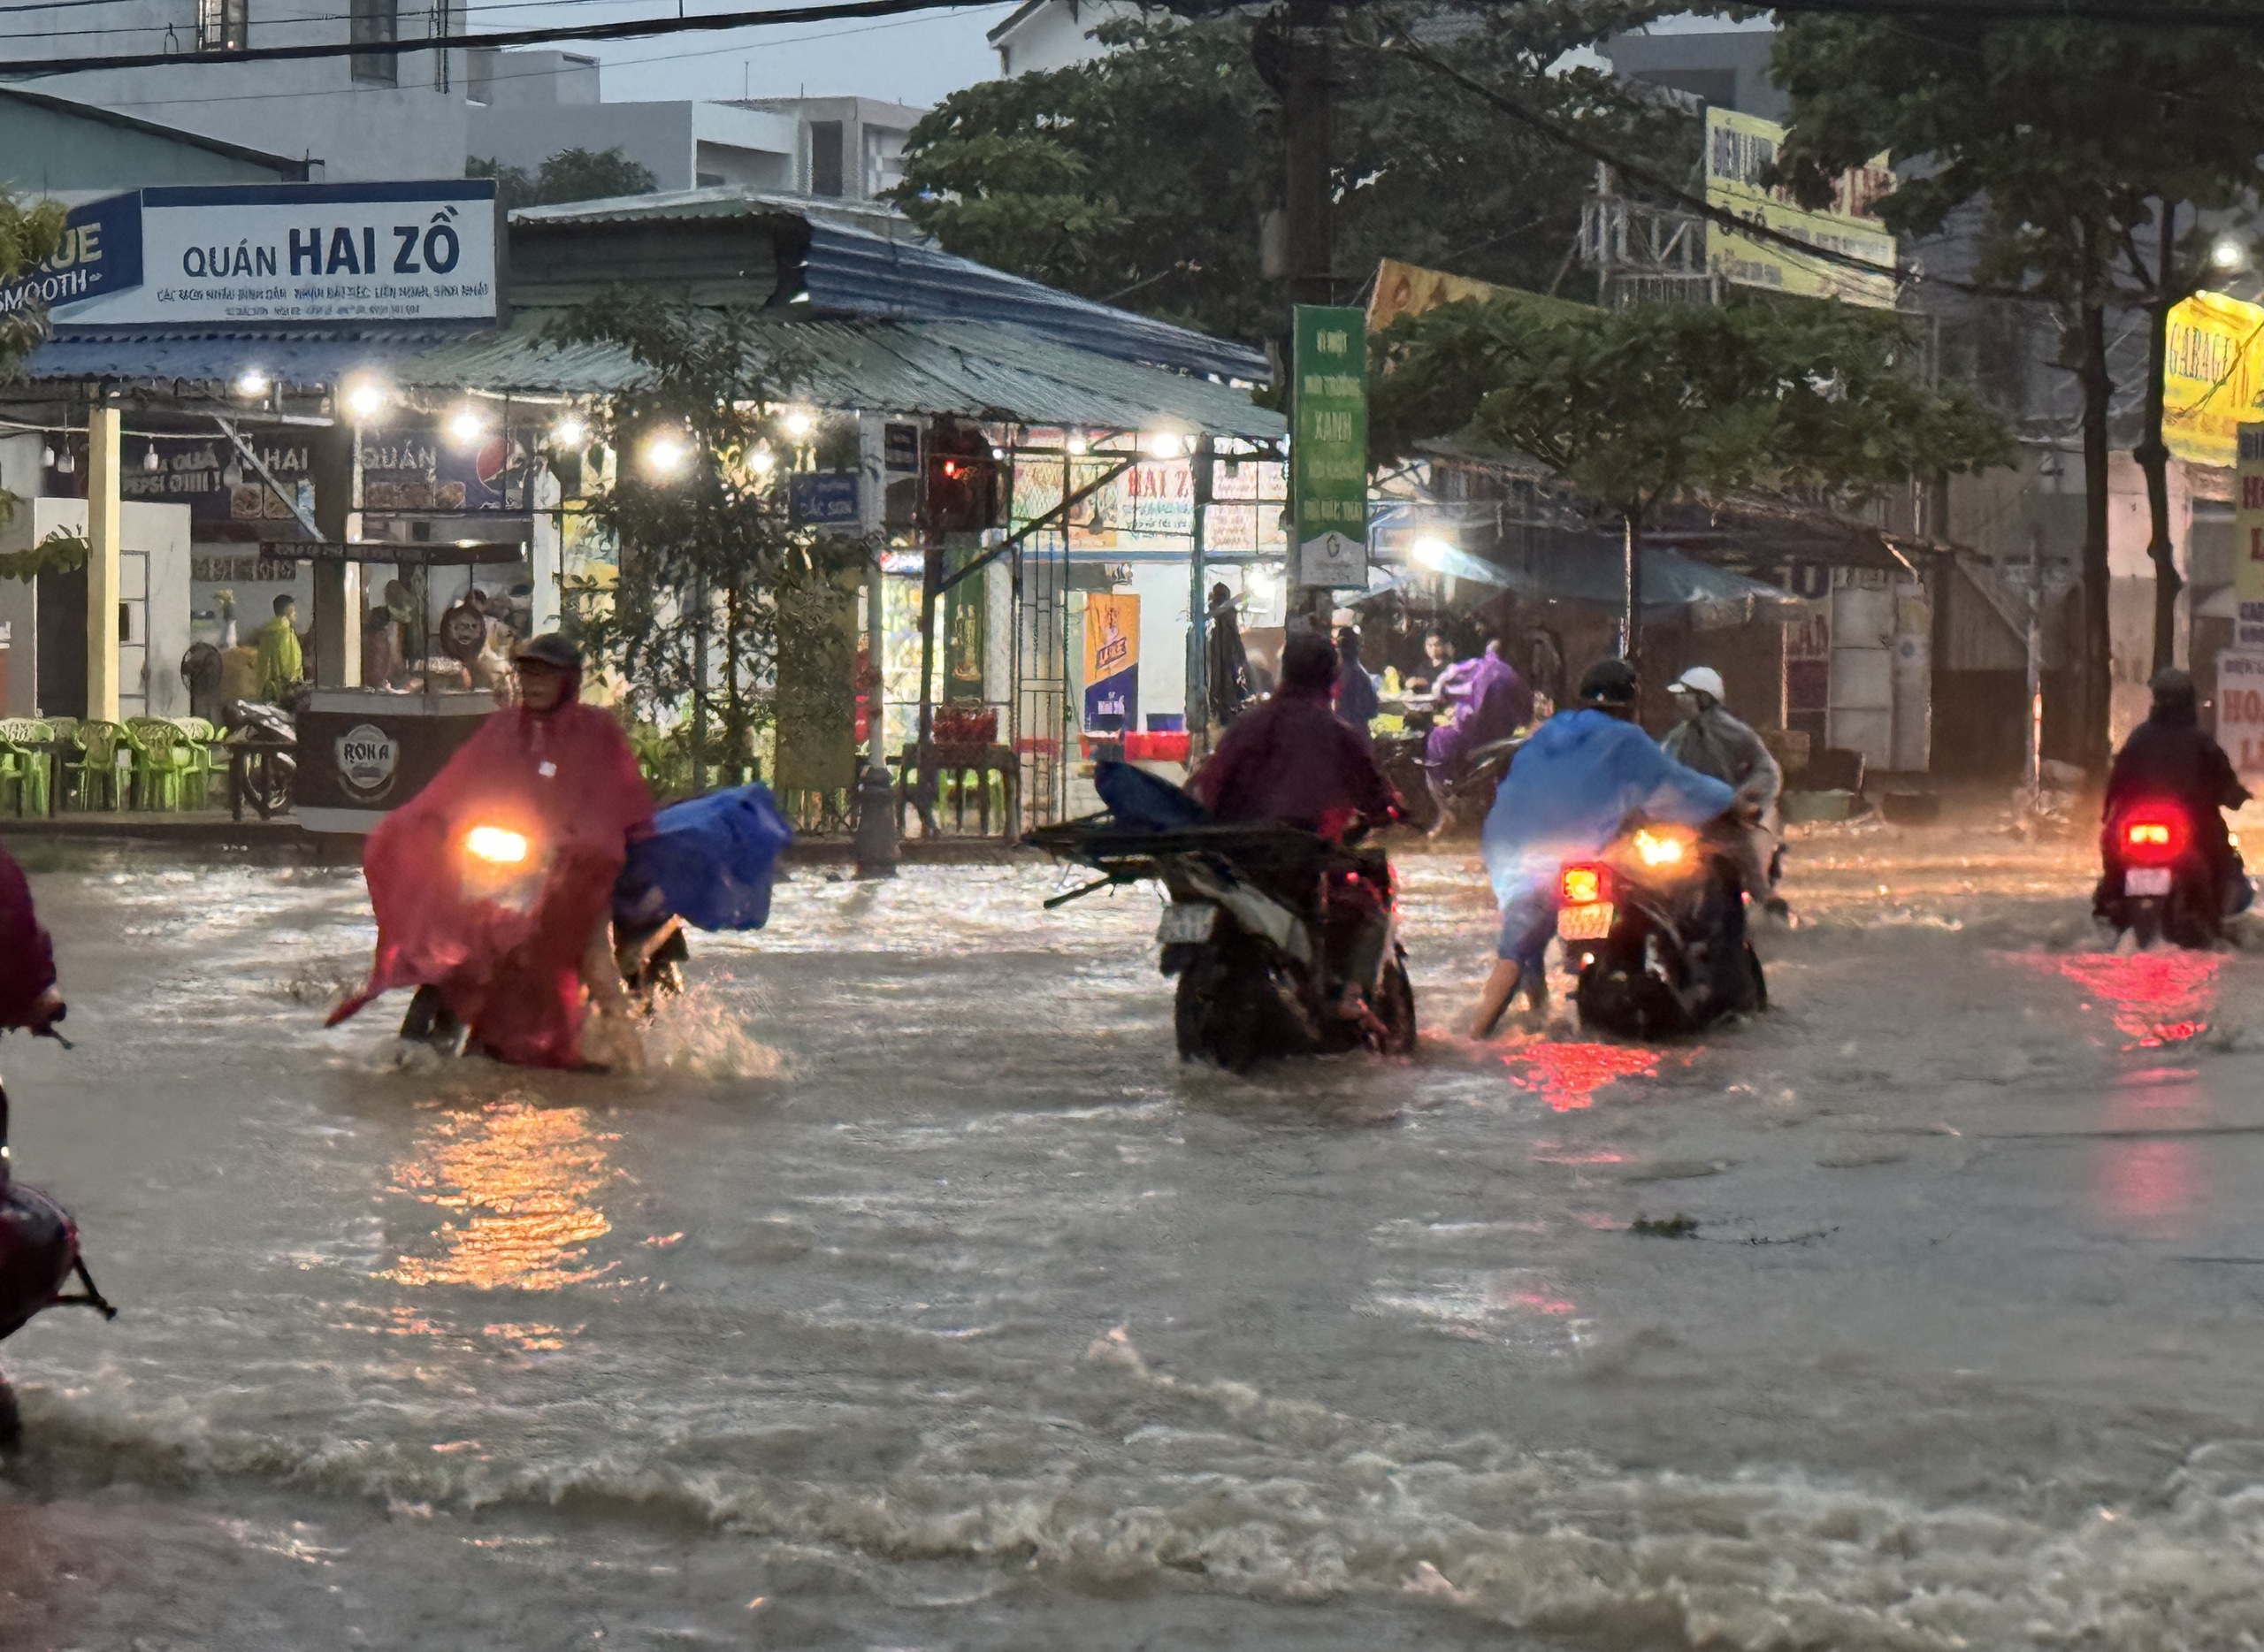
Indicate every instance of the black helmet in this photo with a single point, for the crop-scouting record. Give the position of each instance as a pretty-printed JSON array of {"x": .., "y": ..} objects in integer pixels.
[
  {"x": 550, "y": 649},
  {"x": 1609, "y": 686}
]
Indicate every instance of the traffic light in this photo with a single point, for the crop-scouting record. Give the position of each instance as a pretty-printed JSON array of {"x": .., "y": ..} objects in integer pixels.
[{"x": 965, "y": 483}]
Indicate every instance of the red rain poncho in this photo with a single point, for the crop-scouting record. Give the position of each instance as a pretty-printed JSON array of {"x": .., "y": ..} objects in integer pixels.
[
  {"x": 26, "y": 956},
  {"x": 506, "y": 958}
]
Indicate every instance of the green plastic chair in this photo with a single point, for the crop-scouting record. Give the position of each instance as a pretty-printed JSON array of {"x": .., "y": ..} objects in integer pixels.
[
  {"x": 203, "y": 737},
  {"x": 99, "y": 784},
  {"x": 26, "y": 763},
  {"x": 162, "y": 762}
]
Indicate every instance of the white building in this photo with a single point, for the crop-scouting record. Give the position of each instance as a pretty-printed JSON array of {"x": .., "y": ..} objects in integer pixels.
[
  {"x": 1042, "y": 34},
  {"x": 422, "y": 114}
]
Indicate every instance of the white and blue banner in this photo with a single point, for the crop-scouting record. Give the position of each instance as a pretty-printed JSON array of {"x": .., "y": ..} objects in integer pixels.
[{"x": 267, "y": 253}]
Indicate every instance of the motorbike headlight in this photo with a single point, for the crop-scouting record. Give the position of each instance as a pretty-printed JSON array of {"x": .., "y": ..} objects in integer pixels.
[
  {"x": 496, "y": 846},
  {"x": 1656, "y": 849}
]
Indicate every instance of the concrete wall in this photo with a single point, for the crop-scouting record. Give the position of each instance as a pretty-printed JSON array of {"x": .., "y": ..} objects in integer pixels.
[
  {"x": 44, "y": 150},
  {"x": 150, "y": 668},
  {"x": 359, "y": 129},
  {"x": 1055, "y": 35}
]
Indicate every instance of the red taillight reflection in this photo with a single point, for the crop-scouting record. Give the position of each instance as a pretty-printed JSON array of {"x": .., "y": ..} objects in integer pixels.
[
  {"x": 2153, "y": 838},
  {"x": 1585, "y": 885}
]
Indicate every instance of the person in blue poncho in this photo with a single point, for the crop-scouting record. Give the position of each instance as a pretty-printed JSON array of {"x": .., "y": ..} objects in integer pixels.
[{"x": 1573, "y": 785}]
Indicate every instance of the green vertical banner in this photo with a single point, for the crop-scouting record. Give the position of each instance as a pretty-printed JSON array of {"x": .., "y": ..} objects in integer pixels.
[
  {"x": 1328, "y": 451},
  {"x": 965, "y": 631}
]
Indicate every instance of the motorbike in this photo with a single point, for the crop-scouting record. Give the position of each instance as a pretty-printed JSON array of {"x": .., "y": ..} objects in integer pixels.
[
  {"x": 2157, "y": 881},
  {"x": 650, "y": 948},
  {"x": 1657, "y": 928},
  {"x": 263, "y": 751},
  {"x": 1260, "y": 929},
  {"x": 39, "y": 1256},
  {"x": 1468, "y": 788}
]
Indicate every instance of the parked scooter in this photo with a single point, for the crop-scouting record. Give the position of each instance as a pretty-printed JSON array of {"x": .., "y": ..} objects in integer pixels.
[
  {"x": 39, "y": 1256},
  {"x": 1656, "y": 925}
]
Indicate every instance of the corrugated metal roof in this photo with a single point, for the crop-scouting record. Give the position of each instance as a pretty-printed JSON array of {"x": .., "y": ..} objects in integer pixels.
[
  {"x": 971, "y": 368},
  {"x": 861, "y": 260},
  {"x": 846, "y": 271}
]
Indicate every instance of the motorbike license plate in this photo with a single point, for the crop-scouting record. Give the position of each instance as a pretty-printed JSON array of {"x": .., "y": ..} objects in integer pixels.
[
  {"x": 2146, "y": 880},
  {"x": 1187, "y": 924},
  {"x": 1591, "y": 922}
]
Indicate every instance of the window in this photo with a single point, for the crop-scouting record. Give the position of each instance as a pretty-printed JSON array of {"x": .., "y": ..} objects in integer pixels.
[
  {"x": 374, "y": 20},
  {"x": 223, "y": 25},
  {"x": 826, "y": 169}
]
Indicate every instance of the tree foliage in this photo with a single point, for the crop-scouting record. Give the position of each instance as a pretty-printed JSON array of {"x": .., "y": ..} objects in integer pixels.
[
  {"x": 2079, "y": 137},
  {"x": 568, "y": 175},
  {"x": 1806, "y": 401},
  {"x": 713, "y": 572},
  {"x": 1142, "y": 178}
]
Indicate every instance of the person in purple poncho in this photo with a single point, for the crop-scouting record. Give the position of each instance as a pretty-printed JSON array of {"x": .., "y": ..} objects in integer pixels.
[{"x": 1491, "y": 702}]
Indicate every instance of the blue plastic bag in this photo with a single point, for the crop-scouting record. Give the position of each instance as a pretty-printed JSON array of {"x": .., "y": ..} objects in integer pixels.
[{"x": 711, "y": 859}]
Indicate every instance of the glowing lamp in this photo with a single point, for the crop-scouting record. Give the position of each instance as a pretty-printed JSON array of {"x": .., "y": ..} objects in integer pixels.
[
  {"x": 1659, "y": 848},
  {"x": 466, "y": 426},
  {"x": 496, "y": 847},
  {"x": 252, "y": 382},
  {"x": 1432, "y": 553},
  {"x": 665, "y": 456},
  {"x": 365, "y": 398},
  {"x": 569, "y": 433}
]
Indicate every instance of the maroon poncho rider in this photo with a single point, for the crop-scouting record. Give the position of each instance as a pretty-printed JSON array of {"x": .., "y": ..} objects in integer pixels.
[{"x": 559, "y": 774}]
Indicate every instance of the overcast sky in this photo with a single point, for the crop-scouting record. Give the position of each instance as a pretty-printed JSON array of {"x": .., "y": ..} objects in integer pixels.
[{"x": 913, "y": 59}]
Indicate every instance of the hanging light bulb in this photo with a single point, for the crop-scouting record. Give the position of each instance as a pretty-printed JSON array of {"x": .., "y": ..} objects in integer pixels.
[
  {"x": 570, "y": 434},
  {"x": 467, "y": 425},
  {"x": 64, "y": 463},
  {"x": 47, "y": 455},
  {"x": 252, "y": 382},
  {"x": 149, "y": 460},
  {"x": 800, "y": 422}
]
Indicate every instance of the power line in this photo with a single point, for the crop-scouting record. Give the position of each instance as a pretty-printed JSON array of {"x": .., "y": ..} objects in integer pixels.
[
  {"x": 2142, "y": 13},
  {"x": 640, "y": 29},
  {"x": 1403, "y": 41},
  {"x": 160, "y": 28}
]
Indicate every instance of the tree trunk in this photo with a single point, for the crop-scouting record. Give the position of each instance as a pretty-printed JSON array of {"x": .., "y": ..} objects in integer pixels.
[
  {"x": 2152, "y": 454},
  {"x": 2096, "y": 695}
]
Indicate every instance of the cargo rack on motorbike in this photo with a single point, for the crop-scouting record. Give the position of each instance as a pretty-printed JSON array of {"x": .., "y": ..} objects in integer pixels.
[{"x": 1128, "y": 854}]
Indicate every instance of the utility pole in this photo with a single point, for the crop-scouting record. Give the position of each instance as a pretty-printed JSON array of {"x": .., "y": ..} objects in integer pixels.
[
  {"x": 1305, "y": 96},
  {"x": 1198, "y": 701}
]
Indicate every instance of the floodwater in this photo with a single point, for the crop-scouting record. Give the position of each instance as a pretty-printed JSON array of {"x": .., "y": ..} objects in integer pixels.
[{"x": 921, "y": 1300}]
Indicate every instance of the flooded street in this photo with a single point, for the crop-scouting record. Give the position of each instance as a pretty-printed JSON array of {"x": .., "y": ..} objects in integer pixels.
[{"x": 921, "y": 1299}]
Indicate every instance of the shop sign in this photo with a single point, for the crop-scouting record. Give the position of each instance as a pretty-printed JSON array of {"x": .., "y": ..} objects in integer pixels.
[
  {"x": 209, "y": 476},
  {"x": 1111, "y": 662},
  {"x": 2213, "y": 370},
  {"x": 422, "y": 251},
  {"x": 900, "y": 447},
  {"x": 1740, "y": 150},
  {"x": 823, "y": 498},
  {"x": 2248, "y": 560},
  {"x": 1329, "y": 452},
  {"x": 2240, "y": 710},
  {"x": 100, "y": 252},
  {"x": 366, "y": 760}
]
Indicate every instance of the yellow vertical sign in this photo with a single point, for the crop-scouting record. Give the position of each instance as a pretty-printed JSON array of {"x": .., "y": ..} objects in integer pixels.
[{"x": 2248, "y": 561}]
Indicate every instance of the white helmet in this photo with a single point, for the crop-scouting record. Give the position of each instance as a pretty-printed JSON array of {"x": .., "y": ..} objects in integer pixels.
[{"x": 1700, "y": 679}]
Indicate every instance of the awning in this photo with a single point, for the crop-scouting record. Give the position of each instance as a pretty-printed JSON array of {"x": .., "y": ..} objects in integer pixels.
[
  {"x": 1674, "y": 587},
  {"x": 986, "y": 370}
]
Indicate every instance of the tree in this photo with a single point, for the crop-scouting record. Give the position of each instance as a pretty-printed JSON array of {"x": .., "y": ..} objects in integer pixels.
[
  {"x": 1811, "y": 401},
  {"x": 2083, "y": 139},
  {"x": 714, "y": 575},
  {"x": 1142, "y": 178},
  {"x": 568, "y": 175}
]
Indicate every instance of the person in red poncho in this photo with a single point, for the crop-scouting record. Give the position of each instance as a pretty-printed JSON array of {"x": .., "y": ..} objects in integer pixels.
[
  {"x": 492, "y": 884},
  {"x": 28, "y": 996}
]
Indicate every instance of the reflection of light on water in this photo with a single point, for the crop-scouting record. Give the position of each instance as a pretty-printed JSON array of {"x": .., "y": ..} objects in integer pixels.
[
  {"x": 1506, "y": 1306},
  {"x": 2157, "y": 997},
  {"x": 2149, "y": 1183},
  {"x": 1568, "y": 1075},
  {"x": 516, "y": 1182}
]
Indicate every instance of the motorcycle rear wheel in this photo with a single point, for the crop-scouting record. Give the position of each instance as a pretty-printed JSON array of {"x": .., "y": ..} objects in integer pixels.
[
  {"x": 1395, "y": 1007},
  {"x": 1234, "y": 1008}
]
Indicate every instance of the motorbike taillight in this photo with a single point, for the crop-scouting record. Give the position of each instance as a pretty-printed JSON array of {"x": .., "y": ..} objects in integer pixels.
[
  {"x": 1585, "y": 884},
  {"x": 2153, "y": 836}
]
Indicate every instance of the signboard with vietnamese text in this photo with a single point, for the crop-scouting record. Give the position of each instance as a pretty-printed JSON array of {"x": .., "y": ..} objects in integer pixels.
[
  {"x": 2212, "y": 371},
  {"x": 1740, "y": 150},
  {"x": 1112, "y": 662},
  {"x": 421, "y": 251},
  {"x": 1328, "y": 451},
  {"x": 2240, "y": 710},
  {"x": 2248, "y": 540},
  {"x": 100, "y": 252}
]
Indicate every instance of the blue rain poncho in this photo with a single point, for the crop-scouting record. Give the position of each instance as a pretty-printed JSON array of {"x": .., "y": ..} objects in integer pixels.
[
  {"x": 1579, "y": 776},
  {"x": 710, "y": 860}
]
